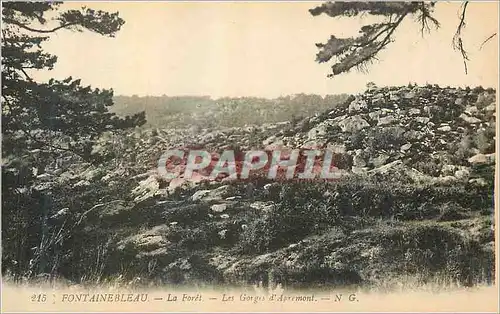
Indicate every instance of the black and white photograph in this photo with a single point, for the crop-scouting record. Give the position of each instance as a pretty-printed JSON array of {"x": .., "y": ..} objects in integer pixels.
[{"x": 249, "y": 156}]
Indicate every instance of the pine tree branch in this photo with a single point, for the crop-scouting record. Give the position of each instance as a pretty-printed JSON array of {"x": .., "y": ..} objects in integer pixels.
[
  {"x": 377, "y": 48},
  {"x": 51, "y": 145},
  {"x": 457, "y": 39},
  {"x": 26, "y": 74},
  {"x": 384, "y": 30},
  {"x": 487, "y": 40},
  {"x": 44, "y": 31},
  {"x": 425, "y": 15}
]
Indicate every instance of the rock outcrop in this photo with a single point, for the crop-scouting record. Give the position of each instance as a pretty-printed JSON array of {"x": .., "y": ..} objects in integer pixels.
[{"x": 415, "y": 197}]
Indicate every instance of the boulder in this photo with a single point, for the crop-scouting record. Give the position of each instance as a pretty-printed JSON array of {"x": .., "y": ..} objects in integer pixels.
[
  {"x": 318, "y": 131},
  {"x": 380, "y": 160},
  {"x": 359, "y": 161},
  {"x": 462, "y": 174},
  {"x": 264, "y": 206},
  {"x": 491, "y": 108},
  {"x": 446, "y": 179},
  {"x": 147, "y": 188},
  {"x": 386, "y": 120},
  {"x": 470, "y": 120},
  {"x": 414, "y": 135},
  {"x": 387, "y": 168},
  {"x": 218, "y": 208},
  {"x": 409, "y": 95},
  {"x": 445, "y": 128},
  {"x": 482, "y": 159},
  {"x": 357, "y": 105},
  {"x": 448, "y": 170},
  {"x": 375, "y": 115},
  {"x": 405, "y": 147},
  {"x": 422, "y": 120},
  {"x": 478, "y": 181},
  {"x": 414, "y": 111},
  {"x": 359, "y": 170},
  {"x": 82, "y": 183},
  {"x": 269, "y": 140},
  {"x": 394, "y": 97},
  {"x": 353, "y": 124},
  {"x": 149, "y": 243},
  {"x": 315, "y": 144},
  {"x": 378, "y": 99},
  {"x": 336, "y": 148},
  {"x": 471, "y": 110},
  {"x": 92, "y": 174},
  {"x": 417, "y": 176},
  {"x": 217, "y": 194}
]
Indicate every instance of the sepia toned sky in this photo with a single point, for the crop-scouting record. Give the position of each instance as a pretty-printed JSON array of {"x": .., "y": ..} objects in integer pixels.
[{"x": 262, "y": 49}]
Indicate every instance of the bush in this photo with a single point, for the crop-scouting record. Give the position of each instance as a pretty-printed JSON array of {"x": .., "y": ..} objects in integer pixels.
[
  {"x": 429, "y": 167},
  {"x": 463, "y": 150},
  {"x": 484, "y": 140},
  {"x": 385, "y": 138},
  {"x": 429, "y": 249},
  {"x": 299, "y": 211},
  {"x": 303, "y": 210}
]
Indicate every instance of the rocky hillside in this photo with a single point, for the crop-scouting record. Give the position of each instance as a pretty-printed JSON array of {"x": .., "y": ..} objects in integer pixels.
[
  {"x": 433, "y": 130},
  {"x": 416, "y": 201},
  {"x": 205, "y": 112}
]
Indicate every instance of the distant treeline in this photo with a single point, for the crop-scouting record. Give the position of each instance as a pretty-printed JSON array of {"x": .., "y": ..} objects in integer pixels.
[{"x": 202, "y": 111}]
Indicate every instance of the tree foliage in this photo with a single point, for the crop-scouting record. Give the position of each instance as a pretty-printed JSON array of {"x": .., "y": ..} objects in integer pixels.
[
  {"x": 45, "y": 122},
  {"x": 358, "y": 52},
  {"x": 59, "y": 114}
]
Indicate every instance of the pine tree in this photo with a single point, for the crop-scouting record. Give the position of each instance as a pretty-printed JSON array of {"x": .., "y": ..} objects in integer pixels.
[
  {"x": 42, "y": 121},
  {"x": 358, "y": 52},
  {"x": 59, "y": 115}
]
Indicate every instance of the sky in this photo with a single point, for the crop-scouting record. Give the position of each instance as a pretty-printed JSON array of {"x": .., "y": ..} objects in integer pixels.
[{"x": 264, "y": 49}]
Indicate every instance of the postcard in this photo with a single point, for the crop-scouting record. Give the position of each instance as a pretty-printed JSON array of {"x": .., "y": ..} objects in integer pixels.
[{"x": 258, "y": 156}]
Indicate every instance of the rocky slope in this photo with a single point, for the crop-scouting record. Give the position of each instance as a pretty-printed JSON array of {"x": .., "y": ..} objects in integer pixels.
[
  {"x": 416, "y": 200},
  {"x": 411, "y": 125}
]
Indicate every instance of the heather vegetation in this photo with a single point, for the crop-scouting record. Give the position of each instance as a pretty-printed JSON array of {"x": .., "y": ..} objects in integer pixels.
[{"x": 408, "y": 205}]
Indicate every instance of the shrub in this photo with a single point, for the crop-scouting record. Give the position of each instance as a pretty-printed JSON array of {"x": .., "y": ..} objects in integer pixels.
[
  {"x": 429, "y": 167},
  {"x": 299, "y": 211},
  {"x": 430, "y": 249},
  {"x": 484, "y": 140}
]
